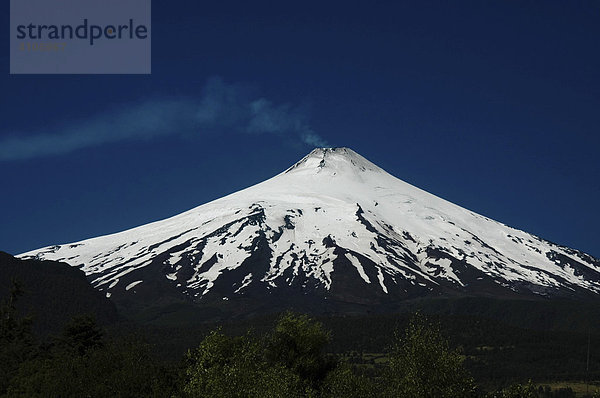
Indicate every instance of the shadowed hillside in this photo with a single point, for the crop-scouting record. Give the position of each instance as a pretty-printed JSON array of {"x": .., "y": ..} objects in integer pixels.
[{"x": 53, "y": 293}]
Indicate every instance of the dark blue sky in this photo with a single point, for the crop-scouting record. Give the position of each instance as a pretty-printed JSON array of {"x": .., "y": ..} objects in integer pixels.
[{"x": 491, "y": 105}]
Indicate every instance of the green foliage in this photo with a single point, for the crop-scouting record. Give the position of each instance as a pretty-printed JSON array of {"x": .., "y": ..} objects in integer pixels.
[
  {"x": 593, "y": 394},
  {"x": 298, "y": 344},
  {"x": 16, "y": 340},
  {"x": 516, "y": 391},
  {"x": 344, "y": 382},
  {"x": 81, "y": 365},
  {"x": 291, "y": 362},
  {"x": 529, "y": 390},
  {"x": 422, "y": 365},
  {"x": 225, "y": 366},
  {"x": 82, "y": 335}
]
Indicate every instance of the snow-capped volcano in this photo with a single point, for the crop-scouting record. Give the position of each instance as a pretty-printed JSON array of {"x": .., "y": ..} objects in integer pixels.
[{"x": 334, "y": 226}]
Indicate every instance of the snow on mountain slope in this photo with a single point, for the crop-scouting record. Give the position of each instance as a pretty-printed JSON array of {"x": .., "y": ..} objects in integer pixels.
[{"x": 337, "y": 225}]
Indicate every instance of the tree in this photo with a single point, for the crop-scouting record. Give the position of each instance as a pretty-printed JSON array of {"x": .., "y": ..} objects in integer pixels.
[
  {"x": 298, "y": 344},
  {"x": 226, "y": 367},
  {"x": 422, "y": 365},
  {"x": 17, "y": 343},
  {"x": 83, "y": 364},
  {"x": 82, "y": 335}
]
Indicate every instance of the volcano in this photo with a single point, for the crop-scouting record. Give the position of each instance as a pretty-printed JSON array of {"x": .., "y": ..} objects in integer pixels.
[{"x": 332, "y": 231}]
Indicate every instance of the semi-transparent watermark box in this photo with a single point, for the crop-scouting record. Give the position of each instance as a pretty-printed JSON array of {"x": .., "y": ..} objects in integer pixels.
[{"x": 80, "y": 36}]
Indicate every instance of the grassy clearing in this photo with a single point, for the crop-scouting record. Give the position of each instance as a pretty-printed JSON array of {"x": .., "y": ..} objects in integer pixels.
[{"x": 580, "y": 388}]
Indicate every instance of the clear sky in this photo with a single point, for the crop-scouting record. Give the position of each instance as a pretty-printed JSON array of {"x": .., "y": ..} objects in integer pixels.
[{"x": 493, "y": 105}]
